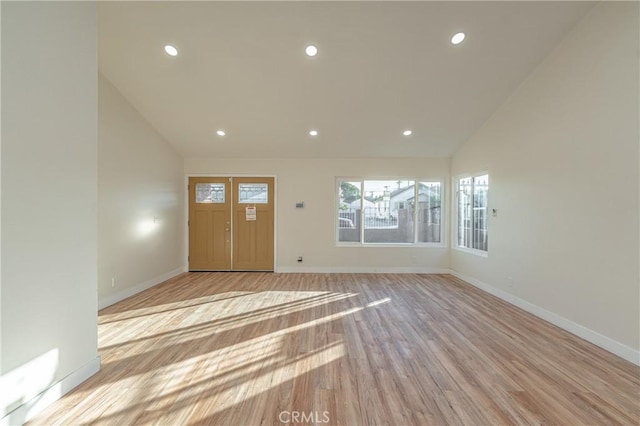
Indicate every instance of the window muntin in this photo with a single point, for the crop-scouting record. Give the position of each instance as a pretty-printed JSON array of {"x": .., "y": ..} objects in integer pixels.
[
  {"x": 472, "y": 197},
  {"x": 389, "y": 211},
  {"x": 209, "y": 193}
]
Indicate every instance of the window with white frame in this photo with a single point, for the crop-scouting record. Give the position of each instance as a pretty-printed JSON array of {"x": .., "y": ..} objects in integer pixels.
[
  {"x": 471, "y": 212},
  {"x": 398, "y": 211}
]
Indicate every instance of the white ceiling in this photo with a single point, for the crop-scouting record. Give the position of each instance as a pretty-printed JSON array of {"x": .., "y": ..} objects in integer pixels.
[{"x": 382, "y": 67}]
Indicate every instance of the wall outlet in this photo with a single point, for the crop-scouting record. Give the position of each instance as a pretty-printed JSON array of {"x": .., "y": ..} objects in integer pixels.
[
  {"x": 510, "y": 282},
  {"x": 113, "y": 282},
  {"x": 299, "y": 259}
]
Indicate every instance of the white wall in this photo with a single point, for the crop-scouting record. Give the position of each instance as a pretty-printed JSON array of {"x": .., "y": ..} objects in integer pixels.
[
  {"x": 562, "y": 154},
  {"x": 140, "y": 176},
  {"x": 0, "y": 192},
  {"x": 49, "y": 181},
  {"x": 310, "y": 232}
]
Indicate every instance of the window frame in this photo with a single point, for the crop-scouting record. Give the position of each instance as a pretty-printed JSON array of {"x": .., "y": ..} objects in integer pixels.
[
  {"x": 415, "y": 242},
  {"x": 455, "y": 185}
]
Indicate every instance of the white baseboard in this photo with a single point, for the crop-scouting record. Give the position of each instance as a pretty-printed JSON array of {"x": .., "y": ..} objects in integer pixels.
[
  {"x": 128, "y": 292},
  {"x": 613, "y": 346},
  {"x": 37, "y": 404},
  {"x": 361, "y": 270}
]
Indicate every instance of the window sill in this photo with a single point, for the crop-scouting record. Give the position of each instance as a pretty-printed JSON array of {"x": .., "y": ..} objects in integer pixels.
[
  {"x": 474, "y": 252},
  {"x": 389, "y": 245}
]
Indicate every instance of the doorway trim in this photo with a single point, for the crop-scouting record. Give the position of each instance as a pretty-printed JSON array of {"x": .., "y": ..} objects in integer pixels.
[{"x": 231, "y": 175}]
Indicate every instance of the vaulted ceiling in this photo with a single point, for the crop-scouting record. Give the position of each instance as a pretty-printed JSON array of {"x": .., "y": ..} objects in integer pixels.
[{"x": 381, "y": 68}]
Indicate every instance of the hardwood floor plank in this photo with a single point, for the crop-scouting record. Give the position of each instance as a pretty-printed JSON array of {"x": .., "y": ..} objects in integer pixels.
[{"x": 366, "y": 349}]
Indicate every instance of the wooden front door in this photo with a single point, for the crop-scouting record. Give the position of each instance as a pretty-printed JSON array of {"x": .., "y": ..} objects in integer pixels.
[
  {"x": 209, "y": 224},
  {"x": 231, "y": 224},
  {"x": 253, "y": 200}
]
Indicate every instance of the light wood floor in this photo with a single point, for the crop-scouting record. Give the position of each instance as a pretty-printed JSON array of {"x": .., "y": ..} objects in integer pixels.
[{"x": 353, "y": 349}]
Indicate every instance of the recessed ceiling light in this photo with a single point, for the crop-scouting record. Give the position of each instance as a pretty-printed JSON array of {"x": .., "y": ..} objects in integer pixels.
[
  {"x": 313, "y": 133},
  {"x": 311, "y": 50},
  {"x": 458, "y": 38},
  {"x": 220, "y": 133},
  {"x": 171, "y": 50},
  {"x": 407, "y": 132}
]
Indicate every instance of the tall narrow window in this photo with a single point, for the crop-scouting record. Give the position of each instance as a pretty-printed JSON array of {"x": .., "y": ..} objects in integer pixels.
[{"x": 472, "y": 231}]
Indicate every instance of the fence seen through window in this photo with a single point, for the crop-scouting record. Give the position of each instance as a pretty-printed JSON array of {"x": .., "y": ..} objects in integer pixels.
[{"x": 389, "y": 211}]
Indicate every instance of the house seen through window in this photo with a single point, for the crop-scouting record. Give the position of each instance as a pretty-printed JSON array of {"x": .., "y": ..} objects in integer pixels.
[{"x": 404, "y": 211}]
